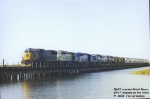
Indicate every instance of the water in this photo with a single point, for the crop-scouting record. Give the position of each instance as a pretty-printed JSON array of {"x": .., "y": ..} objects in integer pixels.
[{"x": 99, "y": 85}]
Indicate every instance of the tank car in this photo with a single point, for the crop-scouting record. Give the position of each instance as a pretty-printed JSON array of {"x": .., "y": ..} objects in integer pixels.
[
  {"x": 149, "y": 63},
  {"x": 136, "y": 60},
  {"x": 146, "y": 61},
  {"x": 127, "y": 60},
  {"x": 132, "y": 60}
]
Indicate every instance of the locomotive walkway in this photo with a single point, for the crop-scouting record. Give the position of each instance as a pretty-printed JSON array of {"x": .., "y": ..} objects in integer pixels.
[{"x": 50, "y": 68}]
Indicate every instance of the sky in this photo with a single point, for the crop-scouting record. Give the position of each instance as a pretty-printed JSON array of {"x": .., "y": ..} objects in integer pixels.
[{"x": 107, "y": 27}]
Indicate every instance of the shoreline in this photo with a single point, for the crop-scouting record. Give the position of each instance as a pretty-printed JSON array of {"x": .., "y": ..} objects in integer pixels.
[{"x": 142, "y": 72}]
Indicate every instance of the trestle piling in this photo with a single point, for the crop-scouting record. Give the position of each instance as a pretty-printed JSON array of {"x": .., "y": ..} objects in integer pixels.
[{"x": 50, "y": 68}]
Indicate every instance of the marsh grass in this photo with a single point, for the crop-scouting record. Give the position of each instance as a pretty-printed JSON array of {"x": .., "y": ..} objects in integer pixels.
[{"x": 142, "y": 72}]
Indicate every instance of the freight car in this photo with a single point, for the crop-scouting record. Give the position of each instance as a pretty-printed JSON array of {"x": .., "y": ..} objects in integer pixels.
[{"x": 32, "y": 54}]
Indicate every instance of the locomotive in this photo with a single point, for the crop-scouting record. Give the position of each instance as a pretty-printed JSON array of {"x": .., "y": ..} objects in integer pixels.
[{"x": 32, "y": 54}]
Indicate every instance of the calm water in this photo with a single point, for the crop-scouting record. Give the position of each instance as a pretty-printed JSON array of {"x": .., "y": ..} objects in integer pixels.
[{"x": 99, "y": 85}]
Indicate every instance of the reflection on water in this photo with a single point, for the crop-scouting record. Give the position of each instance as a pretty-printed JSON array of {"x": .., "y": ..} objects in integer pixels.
[
  {"x": 82, "y": 86},
  {"x": 26, "y": 90}
]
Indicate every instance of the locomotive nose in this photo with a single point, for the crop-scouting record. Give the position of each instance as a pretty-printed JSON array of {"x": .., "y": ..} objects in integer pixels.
[{"x": 27, "y": 56}]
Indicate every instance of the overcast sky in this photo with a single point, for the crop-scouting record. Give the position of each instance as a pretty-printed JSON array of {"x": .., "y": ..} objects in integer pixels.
[{"x": 107, "y": 27}]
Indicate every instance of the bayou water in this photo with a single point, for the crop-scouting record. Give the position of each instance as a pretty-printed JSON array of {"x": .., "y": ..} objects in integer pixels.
[{"x": 98, "y": 85}]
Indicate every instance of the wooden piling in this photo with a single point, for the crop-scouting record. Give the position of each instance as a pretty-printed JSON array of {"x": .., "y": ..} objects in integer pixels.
[{"x": 3, "y": 62}]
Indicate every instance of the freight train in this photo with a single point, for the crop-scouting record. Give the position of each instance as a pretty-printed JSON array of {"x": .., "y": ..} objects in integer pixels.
[{"x": 32, "y": 54}]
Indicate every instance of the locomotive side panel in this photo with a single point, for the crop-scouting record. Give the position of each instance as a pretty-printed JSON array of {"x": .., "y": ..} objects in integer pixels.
[
  {"x": 65, "y": 56},
  {"x": 82, "y": 57},
  {"x": 49, "y": 55}
]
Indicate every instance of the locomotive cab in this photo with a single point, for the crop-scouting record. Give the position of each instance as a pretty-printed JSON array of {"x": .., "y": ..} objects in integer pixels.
[{"x": 27, "y": 58}]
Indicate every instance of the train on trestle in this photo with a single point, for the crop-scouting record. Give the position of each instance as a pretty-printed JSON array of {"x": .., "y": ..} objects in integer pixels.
[{"x": 32, "y": 54}]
